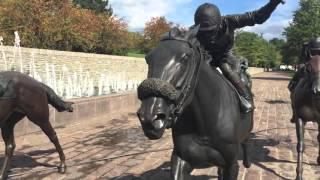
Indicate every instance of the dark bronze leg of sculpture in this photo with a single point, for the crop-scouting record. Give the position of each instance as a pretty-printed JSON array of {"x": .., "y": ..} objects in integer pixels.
[
  {"x": 50, "y": 132},
  {"x": 231, "y": 167},
  {"x": 7, "y": 132},
  {"x": 300, "y": 147},
  {"x": 246, "y": 158},
  {"x": 8, "y": 138},
  {"x": 220, "y": 173},
  {"x": 294, "y": 117},
  {"x": 231, "y": 171},
  {"x": 41, "y": 118},
  {"x": 180, "y": 169},
  {"x": 318, "y": 159}
]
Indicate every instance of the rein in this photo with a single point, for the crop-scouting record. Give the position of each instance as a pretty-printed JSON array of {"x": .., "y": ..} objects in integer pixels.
[{"x": 187, "y": 92}]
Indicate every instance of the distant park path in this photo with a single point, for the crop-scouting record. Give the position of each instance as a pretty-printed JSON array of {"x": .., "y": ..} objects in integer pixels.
[{"x": 115, "y": 147}]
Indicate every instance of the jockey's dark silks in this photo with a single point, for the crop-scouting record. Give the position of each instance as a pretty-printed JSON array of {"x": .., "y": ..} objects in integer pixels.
[{"x": 216, "y": 35}]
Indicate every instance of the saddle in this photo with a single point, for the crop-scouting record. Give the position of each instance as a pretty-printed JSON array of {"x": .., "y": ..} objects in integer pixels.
[
  {"x": 245, "y": 77},
  {"x": 241, "y": 67}
]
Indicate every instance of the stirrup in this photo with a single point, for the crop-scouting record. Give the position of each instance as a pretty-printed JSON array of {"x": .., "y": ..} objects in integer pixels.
[{"x": 245, "y": 105}]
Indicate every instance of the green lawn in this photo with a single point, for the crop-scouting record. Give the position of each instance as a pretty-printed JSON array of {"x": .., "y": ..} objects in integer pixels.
[
  {"x": 291, "y": 73},
  {"x": 138, "y": 55}
]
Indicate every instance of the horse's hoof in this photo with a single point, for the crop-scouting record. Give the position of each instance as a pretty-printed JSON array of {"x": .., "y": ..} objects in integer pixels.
[
  {"x": 299, "y": 178},
  {"x": 247, "y": 164},
  {"x": 69, "y": 107},
  {"x": 62, "y": 169}
]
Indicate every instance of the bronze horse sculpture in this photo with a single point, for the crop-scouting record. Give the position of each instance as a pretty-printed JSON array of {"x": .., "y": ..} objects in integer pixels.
[
  {"x": 22, "y": 96},
  {"x": 183, "y": 92},
  {"x": 305, "y": 99}
]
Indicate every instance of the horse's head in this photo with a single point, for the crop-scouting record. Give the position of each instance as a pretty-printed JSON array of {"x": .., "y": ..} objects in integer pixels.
[
  {"x": 313, "y": 71},
  {"x": 171, "y": 67}
]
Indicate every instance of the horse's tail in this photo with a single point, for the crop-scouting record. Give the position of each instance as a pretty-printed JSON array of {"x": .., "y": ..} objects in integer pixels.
[{"x": 56, "y": 101}]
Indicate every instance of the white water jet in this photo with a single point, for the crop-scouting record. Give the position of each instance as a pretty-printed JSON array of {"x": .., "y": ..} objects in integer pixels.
[
  {"x": 3, "y": 54},
  {"x": 18, "y": 49},
  {"x": 65, "y": 81}
]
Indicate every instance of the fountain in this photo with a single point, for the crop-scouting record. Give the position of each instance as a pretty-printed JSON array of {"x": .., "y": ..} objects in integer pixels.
[
  {"x": 3, "y": 54},
  {"x": 65, "y": 82}
]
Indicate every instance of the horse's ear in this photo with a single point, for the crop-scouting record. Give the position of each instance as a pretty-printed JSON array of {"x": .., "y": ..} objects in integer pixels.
[
  {"x": 174, "y": 32},
  {"x": 192, "y": 33}
]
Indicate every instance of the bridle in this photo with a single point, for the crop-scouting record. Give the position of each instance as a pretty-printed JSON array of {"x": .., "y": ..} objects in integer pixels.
[
  {"x": 187, "y": 92},
  {"x": 309, "y": 71}
]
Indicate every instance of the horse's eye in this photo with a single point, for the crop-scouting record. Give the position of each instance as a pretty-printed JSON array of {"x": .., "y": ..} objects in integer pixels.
[
  {"x": 185, "y": 57},
  {"x": 309, "y": 68}
]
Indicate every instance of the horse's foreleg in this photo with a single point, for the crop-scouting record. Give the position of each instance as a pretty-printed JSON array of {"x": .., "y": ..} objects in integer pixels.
[
  {"x": 8, "y": 138},
  {"x": 51, "y": 133},
  {"x": 180, "y": 169},
  {"x": 231, "y": 167},
  {"x": 220, "y": 173},
  {"x": 246, "y": 158},
  {"x": 300, "y": 147},
  {"x": 231, "y": 171},
  {"x": 7, "y": 131},
  {"x": 318, "y": 159}
]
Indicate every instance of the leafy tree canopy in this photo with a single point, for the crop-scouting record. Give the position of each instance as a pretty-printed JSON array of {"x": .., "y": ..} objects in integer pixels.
[
  {"x": 305, "y": 25},
  {"x": 99, "y": 6},
  {"x": 257, "y": 50}
]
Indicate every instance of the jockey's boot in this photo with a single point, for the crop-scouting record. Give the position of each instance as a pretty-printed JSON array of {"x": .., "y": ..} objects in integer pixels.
[
  {"x": 243, "y": 90},
  {"x": 245, "y": 97}
]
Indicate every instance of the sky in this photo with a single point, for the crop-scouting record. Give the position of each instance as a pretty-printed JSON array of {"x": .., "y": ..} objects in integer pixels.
[{"x": 137, "y": 12}]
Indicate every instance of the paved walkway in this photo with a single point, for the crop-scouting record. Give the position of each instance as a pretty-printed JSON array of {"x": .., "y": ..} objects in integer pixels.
[{"x": 115, "y": 147}]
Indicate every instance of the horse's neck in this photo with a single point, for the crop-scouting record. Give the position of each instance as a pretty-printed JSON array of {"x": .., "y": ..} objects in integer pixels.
[
  {"x": 213, "y": 80},
  {"x": 305, "y": 102},
  {"x": 212, "y": 98},
  {"x": 304, "y": 83}
]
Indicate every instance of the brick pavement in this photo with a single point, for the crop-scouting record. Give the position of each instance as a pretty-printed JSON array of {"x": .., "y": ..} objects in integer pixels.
[{"x": 91, "y": 146}]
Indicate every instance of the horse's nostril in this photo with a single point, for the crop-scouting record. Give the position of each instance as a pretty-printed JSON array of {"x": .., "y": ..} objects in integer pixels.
[
  {"x": 158, "y": 121},
  {"x": 316, "y": 90},
  {"x": 139, "y": 116},
  {"x": 161, "y": 116}
]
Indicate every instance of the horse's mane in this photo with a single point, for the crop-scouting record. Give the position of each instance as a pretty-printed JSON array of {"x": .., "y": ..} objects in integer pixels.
[{"x": 179, "y": 34}]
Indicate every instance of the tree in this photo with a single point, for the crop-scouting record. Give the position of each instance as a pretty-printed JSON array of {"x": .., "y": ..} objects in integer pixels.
[
  {"x": 278, "y": 43},
  {"x": 153, "y": 31},
  {"x": 99, "y": 6},
  {"x": 305, "y": 25},
  {"x": 29, "y": 18},
  {"x": 136, "y": 41},
  {"x": 257, "y": 50},
  {"x": 57, "y": 24},
  {"x": 245, "y": 46},
  {"x": 114, "y": 37}
]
